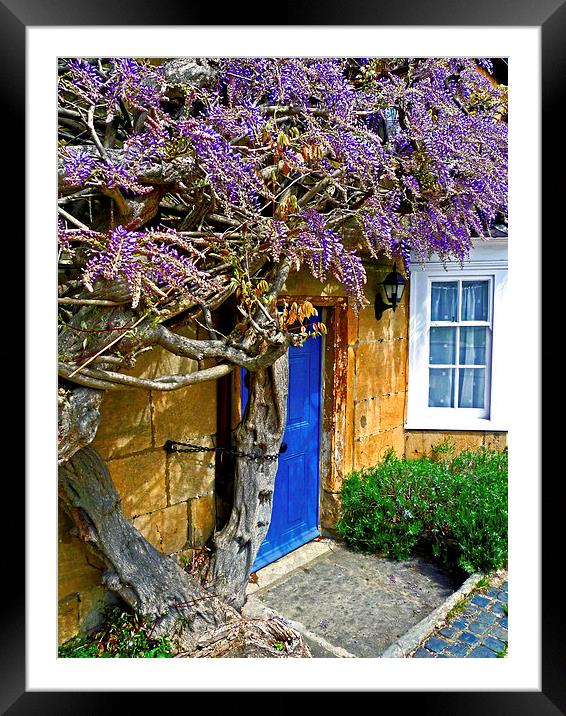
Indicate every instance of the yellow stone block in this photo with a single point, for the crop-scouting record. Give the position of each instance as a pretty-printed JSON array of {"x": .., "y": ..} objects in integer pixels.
[
  {"x": 77, "y": 570},
  {"x": 125, "y": 424},
  {"x": 495, "y": 441},
  {"x": 91, "y": 607},
  {"x": 367, "y": 417},
  {"x": 414, "y": 444},
  {"x": 464, "y": 440},
  {"x": 301, "y": 283},
  {"x": 381, "y": 368},
  {"x": 420, "y": 443},
  {"x": 460, "y": 439},
  {"x": 185, "y": 413},
  {"x": 140, "y": 482},
  {"x": 68, "y": 619},
  {"x": 166, "y": 529},
  {"x": 393, "y": 325},
  {"x": 202, "y": 519},
  {"x": 392, "y": 410},
  {"x": 191, "y": 474},
  {"x": 397, "y": 321},
  {"x": 371, "y": 450},
  {"x": 330, "y": 510}
]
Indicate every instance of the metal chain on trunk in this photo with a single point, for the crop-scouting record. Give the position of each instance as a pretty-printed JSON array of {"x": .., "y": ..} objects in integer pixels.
[{"x": 172, "y": 446}]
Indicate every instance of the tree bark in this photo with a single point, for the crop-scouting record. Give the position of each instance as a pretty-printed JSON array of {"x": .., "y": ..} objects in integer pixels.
[
  {"x": 79, "y": 418},
  {"x": 261, "y": 431}
]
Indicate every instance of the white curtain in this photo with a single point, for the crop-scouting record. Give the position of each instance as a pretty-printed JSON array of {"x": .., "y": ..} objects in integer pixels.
[
  {"x": 444, "y": 301},
  {"x": 475, "y": 301},
  {"x": 471, "y": 389}
]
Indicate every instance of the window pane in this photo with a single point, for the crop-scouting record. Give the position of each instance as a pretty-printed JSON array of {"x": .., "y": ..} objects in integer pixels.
[
  {"x": 442, "y": 345},
  {"x": 475, "y": 300},
  {"x": 471, "y": 388},
  {"x": 473, "y": 345},
  {"x": 441, "y": 388},
  {"x": 444, "y": 301}
]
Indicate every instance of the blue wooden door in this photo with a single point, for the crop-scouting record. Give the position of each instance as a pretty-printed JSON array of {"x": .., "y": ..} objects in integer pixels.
[{"x": 294, "y": 517}]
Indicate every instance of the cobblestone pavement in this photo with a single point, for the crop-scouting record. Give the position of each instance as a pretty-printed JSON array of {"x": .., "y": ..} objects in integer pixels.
[{"x": 477, "y": 628}]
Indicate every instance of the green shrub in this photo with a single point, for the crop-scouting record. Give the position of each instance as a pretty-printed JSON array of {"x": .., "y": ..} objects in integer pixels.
[
  {"x": 455, "y": 507},
  {"x": 123, "y": 635}
]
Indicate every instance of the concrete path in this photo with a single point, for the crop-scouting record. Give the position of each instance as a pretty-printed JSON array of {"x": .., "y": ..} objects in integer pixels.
[{"x": 350, "y": 605}]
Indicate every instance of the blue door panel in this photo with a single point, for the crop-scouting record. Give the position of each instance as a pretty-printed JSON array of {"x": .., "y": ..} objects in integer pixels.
[
  {"x": 294, "y": 518},
  {"x": 297, "y": 487}
]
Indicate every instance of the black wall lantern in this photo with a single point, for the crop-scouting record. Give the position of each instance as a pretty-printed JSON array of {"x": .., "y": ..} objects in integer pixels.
[{"x": 394, "y": 285}]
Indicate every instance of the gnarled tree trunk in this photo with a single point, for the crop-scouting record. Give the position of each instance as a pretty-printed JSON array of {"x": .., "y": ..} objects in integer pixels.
[
  {"x": 146, "y": 579},
  {"x": 261, "y": 431},
  {"x": 197, "y": 622}
]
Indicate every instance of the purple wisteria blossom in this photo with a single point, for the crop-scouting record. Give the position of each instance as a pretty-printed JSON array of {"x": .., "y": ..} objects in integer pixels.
[
  {"x": 116, "y": 260},
  {"x": 233, "y": 178},
  {"x": 79, "y": 166},
  {"x": 314, "y": 83},
  {"x": 83, "y": 80},
  {"x": 150, "y": 263},
  {"x": 318, "y": 247},
  {"x": 405, "y": 155},
  {"x": 245, "y": 121},
  {"x": 139, "y": 85},
  {"x": 133, "y": 86},
  {"x": 139, "y": 152}
]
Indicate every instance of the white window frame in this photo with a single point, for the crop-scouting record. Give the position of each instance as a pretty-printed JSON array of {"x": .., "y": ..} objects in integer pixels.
[{"x": 487, "y": 261}]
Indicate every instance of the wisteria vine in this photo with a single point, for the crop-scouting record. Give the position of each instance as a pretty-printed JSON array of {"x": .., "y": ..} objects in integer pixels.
[{"x": 314, "y": 160}]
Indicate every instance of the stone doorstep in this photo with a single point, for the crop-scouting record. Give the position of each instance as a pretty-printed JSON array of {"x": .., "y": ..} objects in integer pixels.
[{"x": 279, "y": 570}]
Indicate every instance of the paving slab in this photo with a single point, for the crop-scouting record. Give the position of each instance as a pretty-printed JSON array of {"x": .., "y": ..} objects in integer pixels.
[{"x": 347, "y": 604}]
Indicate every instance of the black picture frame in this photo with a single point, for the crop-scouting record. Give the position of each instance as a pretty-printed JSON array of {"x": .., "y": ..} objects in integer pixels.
[{"x": 15, "y": 17}]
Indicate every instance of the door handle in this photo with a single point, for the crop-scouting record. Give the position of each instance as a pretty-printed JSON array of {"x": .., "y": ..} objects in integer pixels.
[{"x": 283, "y": 448}]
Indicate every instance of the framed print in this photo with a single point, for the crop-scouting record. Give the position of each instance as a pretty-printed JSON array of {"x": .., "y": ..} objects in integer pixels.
[{"x": 34, "y": 34}]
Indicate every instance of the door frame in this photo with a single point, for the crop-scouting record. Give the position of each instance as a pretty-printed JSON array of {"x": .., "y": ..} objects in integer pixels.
[{"x": 336, "y": 431}]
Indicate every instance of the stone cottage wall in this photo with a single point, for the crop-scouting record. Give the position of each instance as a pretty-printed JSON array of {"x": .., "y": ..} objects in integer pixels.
[
  {"x": 379, "y": 385},
  {"x": 378, "y": 388},
  {"x": 422, "y": 443}
]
